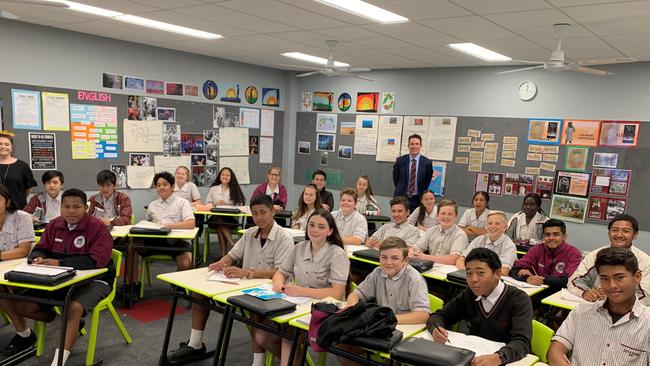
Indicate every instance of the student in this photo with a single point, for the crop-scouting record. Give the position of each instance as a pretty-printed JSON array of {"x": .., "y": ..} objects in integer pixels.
[
  {"x": 551, "y": 262},
  {"x": 412, "y": 173},
  {"x": 366, "y": 202},
  {"x": 352, "y": 225},
  {"x": 493, "y": 309},
  {"x": 273, "y": 188},
  {"x": 319, "y": 267},
  {"x": 225, "y": 190},
  {"x": 46, "y": 205},
  {"x": 444, "y": 242},
  {"x": 425, "y": 216},
  {"x": 399, "y": 209},
  {"x": 525, "y": 227},
  {"x": 74, "y": 239},
  {"x": 261, "y": 250},
  {"x": 394, "y": 284},
  {"x": 113, "y": 208},
  {"x": 17, "y": 231},
  {"x": 185, "y": 188},
  {"x": 16, "y": 174},
  {"x": 495, "y": 240},
  {"x": 474, "y": 220},
  {"x": 327, "y": 198},
  {"x": 308, "y": 202},
  {"x": 615, "y": 331},
  {"x": 622, "y": 230}
]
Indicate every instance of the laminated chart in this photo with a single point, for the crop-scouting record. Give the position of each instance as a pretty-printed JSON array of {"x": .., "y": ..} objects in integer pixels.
[{"x": 93, "y": 130}]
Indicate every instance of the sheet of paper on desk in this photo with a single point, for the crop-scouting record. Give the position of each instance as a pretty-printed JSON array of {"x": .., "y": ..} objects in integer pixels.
[
  {"x": 478, "y": 345},
  {"x": 445, "y": 268},
  {"x": 148, "y": 225},
  {"x": 566, "y": 295},
  {"x": 298, "y": 300},
  {"x": 521, "y": 284},
  {"x": 353, "y": 248},
  {"x": 42, "y": 270},
  {"x": 220, "y": 277}
]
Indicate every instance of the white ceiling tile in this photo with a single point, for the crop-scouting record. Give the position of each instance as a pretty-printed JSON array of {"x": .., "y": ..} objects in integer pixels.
[
  {"x": 501, "y": 6},
  {"x": 413, "y": 33},
  {"x": 563, "y": 3},
  {"x": 632, "y": 45},
  {"x": 613, "y": 19},
  {"x": 123, "y": 6},
  {"x": 168, "y": 4},
  {"x": 125, "y": 31},
  {"x": 583, "y": 48},
  {"x": 470, "y": 29},
  {"x": 424, "y": 55},
  {"x": 316, "y": 40},
  {"x": 519, "y": 49},
  {"x": 383, "y": 57},
  {"x": 537, "y": 24},
  {"x": 360, "y": 36},
  {"x": 54, "y": 15},
  {"x": 278, "y": 44},
  {"x": 421, "y": 9},
  {"x": 234, "y": 18},
  {"x": 325, "y": 10},
  {"x": 282, "y": 13},
  {"x": 195, "y": 23}
]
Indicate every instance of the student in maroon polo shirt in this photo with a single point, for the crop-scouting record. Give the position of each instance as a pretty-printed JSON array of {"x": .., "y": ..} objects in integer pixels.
[{"x": 74, "y": 239}]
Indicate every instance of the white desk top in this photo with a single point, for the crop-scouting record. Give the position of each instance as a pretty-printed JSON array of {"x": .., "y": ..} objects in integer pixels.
[{"x": 196, "y": 280}]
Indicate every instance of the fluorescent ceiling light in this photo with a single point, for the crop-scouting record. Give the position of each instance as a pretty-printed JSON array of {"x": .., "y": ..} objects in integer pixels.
[
  {"x": 88, "y": 9},
  {"x": 366, "y": 10},
  {"x": 479, "y": 52},
  {"x": 128, "y": 18},
  {"x": 315, "y": 59}
]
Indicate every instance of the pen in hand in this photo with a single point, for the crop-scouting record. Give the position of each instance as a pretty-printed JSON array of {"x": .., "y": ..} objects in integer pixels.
[{"x": 441, "y": 333}]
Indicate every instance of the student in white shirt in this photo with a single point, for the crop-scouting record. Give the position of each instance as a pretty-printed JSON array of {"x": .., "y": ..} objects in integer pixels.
[
  {"x": 525, "y": 227},
  {"x": 474, "y": 219},
  {"x": 444, "y": 242},
  {"x": 352, "y": 225},
  {"x": 308, "y": 202},
  {"x": 366, "y": 202},
  {"x": 185, "y": 188},
  {"x": 47, "y": 204},
  {"x": 399, "y": 227},
  {"x": 425, "y": 215},
  {"x": 16, "y": 229}
]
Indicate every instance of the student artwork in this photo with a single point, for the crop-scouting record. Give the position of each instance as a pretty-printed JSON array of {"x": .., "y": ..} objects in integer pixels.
[
  {"x": 211, "y": 137},
  {"x": 271, "y": 97},
  {"x": 120, "y": 174},
  {"x": 619, "y": 134},
  {"x": 251, "y": 94},
  {"x": 304, "y": 147},
  {"x": 489, "y": 182},
  {"x": 149, "y": 106},
  {"x": 324, "y": 157},
  {"x": 174, "y": 88},
  {"x": 605, "y": 160},
  {"x": 387, "y": 102},
  {"x": 572, "y": 183},
  {"x": 134, "y": 112},
  {"x": 192, "y": 143},
  {"x": 576, "y": 158},
  {"x": 544, "y": 131},
  {"x": 325, "y": 142},
  {"x": 583, "y": 133},
  {"x": 210, "y": 174},
  {"x": 139, "y": 159},
  {"x": 347, "y": 128},
  {"x": 231, "y": 93},
  {"x": 605, "y": 208},
  {"x": 518, "y": 184},
  {"x": 198, "y": 159},
  {"x": 437, "y": 185},
  {"x": 344, "y": 102},
  {"x": 322, "y": 101},
  {"x": 345, "y": 152},
  {"x": 166, "y": 114},
  {"x": 326, "y": 122},
  {"x": 212, "y": 154},
  {"x": 191, "y": 90},
  {"x": 171, "y": 139},
  {"x": 210, "y": 89},
  {"x": 93, "y": 131},
  {"x": 253, "y": 145},
  {"x": 388, "y": 138},
  {"x": 306, "y": 104},
  {"x": 132, "y": 82},
  {"x": 155, "y": 87},
  {"x": 198, "y": 175},
  {"x": 367, "y": 102},
  {"x": 568, "y": 208},
  {"x": 111, "y": 81},
  {"x": 544, "y": 186},
  {"x": 610, "y": 181}
]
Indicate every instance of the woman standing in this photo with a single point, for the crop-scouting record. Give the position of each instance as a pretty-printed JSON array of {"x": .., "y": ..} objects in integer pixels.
[{"x": 15, "y": 174}]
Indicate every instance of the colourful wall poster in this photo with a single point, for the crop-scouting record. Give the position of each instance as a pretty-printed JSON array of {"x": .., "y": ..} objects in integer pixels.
[
  {"x": 230, "y": 93},
  {"x": 367, "y": 102},
  {"x": 93, "y": 130},
  {"x": 210, "y": 89},
  {"x": 576, "y": 158},
  {"x": 611, "y": 181},
  {"x": 544, "y": 186},
  {"x": 437, "y": 184},
  {"x": 251, "y": 94},
  {"x": 56, "y": 111},
  {"x": 572, "y": 183},
  {"x": 605, "y": 208},
  {"x": 271, "y": 97},
  {"x": 42, "y": 151},
  {"x": 155, "y": 87},
  {"x": 322, "y": 101},
  {"x": 26, "y": 107},
  {"x": 581, "y": 133},
  {"x": 569, "y": 208},
  {"x": 619, "y": 133},
  {"x": 387, "y": 102},
  {"x": 344, "y": 102},
  {"x": 544, "y": 131}
]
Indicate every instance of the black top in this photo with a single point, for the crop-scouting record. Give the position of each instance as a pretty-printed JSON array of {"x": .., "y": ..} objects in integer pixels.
[
  {"x": 327, "y": 198},
  {"x": 17, "y": 177}
]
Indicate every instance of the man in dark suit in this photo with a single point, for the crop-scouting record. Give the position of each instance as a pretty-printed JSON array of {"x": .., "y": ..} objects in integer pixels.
[{"x": 412, "y": 173}]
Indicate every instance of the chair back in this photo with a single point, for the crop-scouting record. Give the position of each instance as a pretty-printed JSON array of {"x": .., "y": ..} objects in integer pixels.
[
  {"x": 117, "y": 261},
  {"x": 435, "y": 303},
  {"x": 541, "y": 340}
]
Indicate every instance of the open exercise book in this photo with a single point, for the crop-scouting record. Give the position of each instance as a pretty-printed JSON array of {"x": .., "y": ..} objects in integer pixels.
[
  {"x": 221, "y": 277},
  {"x": 521, "y": 284},
  {"x": 265, "y": 292},
  {"x": 478, "y": 345}
]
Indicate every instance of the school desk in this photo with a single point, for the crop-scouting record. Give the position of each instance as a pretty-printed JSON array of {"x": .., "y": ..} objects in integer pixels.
[{"x": 557, "y": 301}]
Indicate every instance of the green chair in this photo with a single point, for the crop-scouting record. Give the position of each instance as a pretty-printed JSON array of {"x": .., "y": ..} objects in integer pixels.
[
  {"x": 106, "y": 303},
  {"x": 145, "y": 269},
  {"x": 541, "y": 340},
  {"x": 435, "y": 303}
]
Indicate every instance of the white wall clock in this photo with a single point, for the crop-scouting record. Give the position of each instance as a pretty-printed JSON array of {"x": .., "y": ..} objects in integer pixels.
[{"x": 527, "y": 90}]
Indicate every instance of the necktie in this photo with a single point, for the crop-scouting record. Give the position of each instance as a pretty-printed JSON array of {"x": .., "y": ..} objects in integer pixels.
[{"x": 411, "y": 189}]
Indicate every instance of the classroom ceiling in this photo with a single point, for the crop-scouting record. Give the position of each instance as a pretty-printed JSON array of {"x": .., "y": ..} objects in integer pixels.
[{"x": 258, "y": 31}]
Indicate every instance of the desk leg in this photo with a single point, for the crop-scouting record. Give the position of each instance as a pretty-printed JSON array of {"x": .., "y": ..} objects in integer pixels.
[
  {"x": 170, "y": 322},
  {"x": 64, "y": 324},
  {"x": 224, "y": 337},
  {"x": 295, "y": 339}
]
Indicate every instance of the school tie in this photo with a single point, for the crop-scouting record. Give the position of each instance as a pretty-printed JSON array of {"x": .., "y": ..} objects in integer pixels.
[{"x": 411, "y": 189}]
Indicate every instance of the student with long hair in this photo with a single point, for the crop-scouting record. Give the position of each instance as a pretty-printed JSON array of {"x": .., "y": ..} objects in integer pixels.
[
  {"x": 366, "y": 202},
  {"x": 474, "y": 220},
  {"x": 425, "y": 216},
  {"x": 16, "y": 229},
  {"x": 526, "y": 226},
  {"x": 273, "y": 188},
  {"x": 15, "y": 174},
  {"x": 184, "y": 187},
  {"x": 308, "y": 202}
]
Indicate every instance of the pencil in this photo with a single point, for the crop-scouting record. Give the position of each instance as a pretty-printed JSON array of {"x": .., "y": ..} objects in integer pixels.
[
  {"x": 440, "y": 331},
  {"x": 535, "y": 272}
]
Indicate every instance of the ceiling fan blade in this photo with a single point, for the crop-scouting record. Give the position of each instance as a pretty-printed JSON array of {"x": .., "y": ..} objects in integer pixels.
[
  {"x": 52, "y": 3},
  {"x": 529, "y": 62},
  {"x": 358, "y": 69},
  {"x": 357, "y": 76},
  {"x": 606, "y": 61},
  {"x": 7, "y": 15},
  {"x": 299, "y": 66},
  {"x": 308, "y": 74},
  {"x": 591, "y": 71},
  {"x": 518, "y": 70}
]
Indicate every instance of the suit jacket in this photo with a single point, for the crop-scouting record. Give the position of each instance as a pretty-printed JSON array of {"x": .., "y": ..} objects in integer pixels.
[{"x": 401, "y": 171}]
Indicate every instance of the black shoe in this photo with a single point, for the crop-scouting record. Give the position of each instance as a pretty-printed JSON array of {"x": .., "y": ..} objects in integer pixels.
[
  {"x": 19, "y": 344},
  {"x": 185, "y": 354}
]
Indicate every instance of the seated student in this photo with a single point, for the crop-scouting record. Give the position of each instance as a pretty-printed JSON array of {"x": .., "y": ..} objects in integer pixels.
[
  {"x": 610, "y": 332},
  {"x": 185, "y": 188},
  {"x": 74, "y": 239},
  {"x": 326, "y": 197},
  {"x": 273, "y": 188},
  {"x": 366, "y": 201},
  {"x": 525, "y": 227},
  {"x": 444, "y": 242},
  {"x": 319, "y": 267},
  {"x": 394, "y": 284},
  {"x": 399, "y": 227},
  {"x": 474, "y": 219},
  {"x": 493, "y": 309},
  {"x": 17, "y": 233},
  {"x": 109, "y": 205},
  {"x": 261, "y": 250},
  {"x": 550, "y": 263},
  {"x": 425, "y": 216},
  {"x": 225, "y": 190},
  {"x": 496, "y": 240},
  {"x": 308, "y": 202},
  {"x": 47, "y": 205},
  {"x": 622, "y": 230},
  {"x": 352, "y": 225}
]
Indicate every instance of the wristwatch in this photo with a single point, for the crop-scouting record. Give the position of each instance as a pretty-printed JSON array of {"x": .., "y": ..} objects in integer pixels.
[{"x": 502, "y": 357}]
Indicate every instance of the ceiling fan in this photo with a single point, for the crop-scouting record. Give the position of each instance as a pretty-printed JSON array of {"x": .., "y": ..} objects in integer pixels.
[
  {"x": 53, "y": 3},
  {"x": 558, "y": 62},
  {"x": 330, "y": 68}
]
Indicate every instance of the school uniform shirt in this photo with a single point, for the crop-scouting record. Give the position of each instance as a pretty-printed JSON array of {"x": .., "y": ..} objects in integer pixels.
[
  {"x": 354, "y": 224},
  {"x": 504, "y": 247},
  {"x": 586, "y": 278},
  {"x": 302, "y": 221},
  {"x": 327, "y": 198},
  {"x": 519, "y": 230},
  {"x": 217, "y": 193},
  {"x": 169, "y": 211},
  {"x": 18, "y": 228},
  {"x": 278, "y": 195},
  {"x": 188, "y": 191},
  {"x": 603, "y": 342},
  {"x": 555, "y": 265},
  {"x": 45, "y": 203},
  {"x": 116, "y": 208},
  {"x": 403, "y": 293},
  {"x": 429, "y": 220},
  {"x": 275, "y": 250},
  {"x": 365, "y": 204},
  {"x": 409, "y": 233},
  {"x": 438, "y": 241},
  {"x": 470, "y": 218},
  {"x": 329, "y": 266},
  {"x": 53, "y": 206}
]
